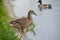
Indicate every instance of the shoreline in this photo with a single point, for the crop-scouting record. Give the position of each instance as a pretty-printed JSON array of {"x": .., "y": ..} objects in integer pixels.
[{"x": 8, "y": 5}]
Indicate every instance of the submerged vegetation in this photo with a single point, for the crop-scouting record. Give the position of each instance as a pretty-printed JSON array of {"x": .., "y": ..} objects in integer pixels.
[{"x": 6, "y": 31}]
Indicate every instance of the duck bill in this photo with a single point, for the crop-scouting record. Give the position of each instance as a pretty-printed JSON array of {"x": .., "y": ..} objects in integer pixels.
[{"x": 35, "y": 14}]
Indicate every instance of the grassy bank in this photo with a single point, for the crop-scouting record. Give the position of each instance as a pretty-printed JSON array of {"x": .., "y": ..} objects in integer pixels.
[{"x": 6, "y": 31}]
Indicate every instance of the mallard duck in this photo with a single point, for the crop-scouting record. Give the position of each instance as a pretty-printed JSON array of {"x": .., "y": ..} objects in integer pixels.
[
  {"x": 40, "y": 1},
  {"x": 22, "y": 23},
  {"x": 45, "y": 6}
]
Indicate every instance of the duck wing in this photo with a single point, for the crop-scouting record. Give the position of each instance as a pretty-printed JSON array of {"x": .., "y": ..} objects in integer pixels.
[{"x": 25, "y": 22}]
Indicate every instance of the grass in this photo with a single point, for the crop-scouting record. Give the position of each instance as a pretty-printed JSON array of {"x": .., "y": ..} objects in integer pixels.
[{"x": 6, "y": 31}]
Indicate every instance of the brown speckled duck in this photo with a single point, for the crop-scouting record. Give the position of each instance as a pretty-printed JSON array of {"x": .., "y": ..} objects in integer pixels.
[
  {"x": 45, "y": 6},
  {"x": 22, "y": 23}
]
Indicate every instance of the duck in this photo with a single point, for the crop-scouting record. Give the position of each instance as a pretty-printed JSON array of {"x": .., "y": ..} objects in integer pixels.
[
  {"x": 23, "y": 23},
  {"x": 40, "y": 1},
  {"x": 45, "y": 6}
]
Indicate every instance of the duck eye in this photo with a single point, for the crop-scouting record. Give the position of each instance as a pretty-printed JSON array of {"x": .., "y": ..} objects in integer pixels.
[
  {"x": 12, "y": 22},
  {"x": 16, "y": 21}
]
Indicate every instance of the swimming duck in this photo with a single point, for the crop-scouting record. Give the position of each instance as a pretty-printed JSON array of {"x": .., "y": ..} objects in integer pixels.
[
  {"x": 45, "y": 6},
  {"x": 40, "y": 1},
  {"x": 23, "y": 23}
]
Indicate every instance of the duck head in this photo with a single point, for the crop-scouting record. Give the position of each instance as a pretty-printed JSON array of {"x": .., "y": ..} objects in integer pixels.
[{"x": 31, "y": 12}]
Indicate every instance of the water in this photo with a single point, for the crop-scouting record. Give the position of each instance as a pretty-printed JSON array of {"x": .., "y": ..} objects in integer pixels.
[{"x": 48, "y": 21}]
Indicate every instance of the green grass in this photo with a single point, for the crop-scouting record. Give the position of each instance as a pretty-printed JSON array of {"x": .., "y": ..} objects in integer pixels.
[{"x": 6, "y": 31}]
